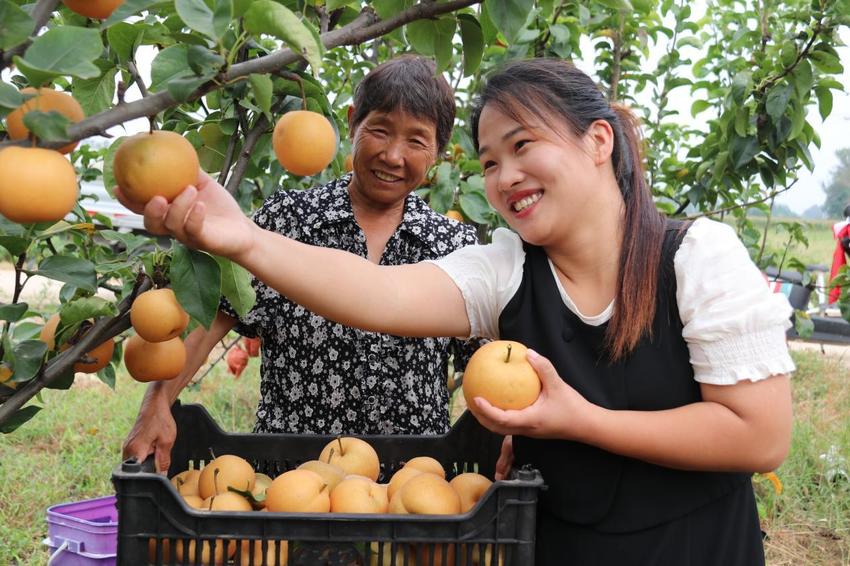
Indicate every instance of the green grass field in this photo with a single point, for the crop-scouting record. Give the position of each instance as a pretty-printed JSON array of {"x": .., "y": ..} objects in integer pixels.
[
  {"x": 69, "y": 450},
  {"x": 818, "y": 232}
]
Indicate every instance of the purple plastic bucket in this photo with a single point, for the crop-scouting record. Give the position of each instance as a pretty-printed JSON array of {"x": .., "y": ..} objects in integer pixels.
[{"x": 83, "y": 533}]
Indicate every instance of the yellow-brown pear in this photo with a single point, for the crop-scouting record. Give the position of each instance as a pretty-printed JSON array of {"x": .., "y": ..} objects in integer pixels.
[
  {"x": 354, "y": 455},
  {"x": 298, "y": 491}
]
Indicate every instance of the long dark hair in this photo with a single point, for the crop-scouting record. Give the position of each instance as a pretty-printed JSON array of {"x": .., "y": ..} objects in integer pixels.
[{"x": 545, "y": 88}]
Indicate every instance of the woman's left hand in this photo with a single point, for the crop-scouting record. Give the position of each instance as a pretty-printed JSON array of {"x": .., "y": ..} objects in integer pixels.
[{"x": 559, "y": 412}]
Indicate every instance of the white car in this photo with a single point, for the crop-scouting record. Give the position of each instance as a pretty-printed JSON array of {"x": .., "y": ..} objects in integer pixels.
[{"x": 95, "y": 200}]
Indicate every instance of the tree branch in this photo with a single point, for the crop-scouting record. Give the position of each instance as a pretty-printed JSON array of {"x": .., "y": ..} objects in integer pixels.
[
  {"x": 40, "y": 14},
  {"x": 19, "y": 285},
  {"x": 102, "y": 330},
  {"x": 137, "y": 78},
  {"x": 251, "y": 138},
  {"x": 365, "y": 27},
  {"x": 744, "y": 205}
]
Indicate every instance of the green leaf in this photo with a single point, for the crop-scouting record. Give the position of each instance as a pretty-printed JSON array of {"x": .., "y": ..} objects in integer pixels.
[
  {"x": 509, "y": 15},
  {"x": 17, "y": 25},
  {"x": 126, "y": 9},
  {"x": 616, "y": 4},
  {"x": 266, "y": 16},
  {"x": 108, "y": 174},
  {"x": 20, "y": 417},
  {"x": 262, "y": 87},
  {"x": 107, "y": 375},
  {"x": 15, "y": 245},
  {"x": 47, "y": 126},
  {"x": 68, "y": 269},
  {"x": 699, "y": 106},
  {"x": 197, "y": 15},
  {"x": 12, "y": 312},
  {"x": 86, "y": 308},
  {"x": 240, "y": 7},
  {"x": 826, "y": 62},
  {"x": 742, "y": 121},
  {"x": 236, "y": 286},
  {"x": 824, "y": 101},
  {"x": 386, "y": 9},
  {"x": 29, "y": 357},
  {"x": 170, "y": 64},
  {"x": 204, "y": 62},
  {"x": 473, "y": 43},
  {"x": 803, "y": 78},
  {"x": 64, "y": 381},
  {"x": 96, "y": 95},
  {"x": 475, "y": 206},
  {"x": 182, "y": 89},
  {"x": 487, "y": 25},
  {"x": 123, "y": 39},
  {"x": 222, "y": 17},
  {"x": 10, "y": 97},
  {"x": 131, "y": 241},
  {"x": 443, "y": 46},
  {"x": 442, "y": 191},
  {"x": 777, "y": 100},
  {"x": 743, "y": 150},
  {"x": 741, "y": 85},
  {"x": 62, "y": 51},
  {"x": 803, "y": 324},
  {"x": 196, "y": 281}
]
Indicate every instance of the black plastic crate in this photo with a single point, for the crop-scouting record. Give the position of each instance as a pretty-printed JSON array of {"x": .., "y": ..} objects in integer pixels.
[{"x": 153, "y": 518}]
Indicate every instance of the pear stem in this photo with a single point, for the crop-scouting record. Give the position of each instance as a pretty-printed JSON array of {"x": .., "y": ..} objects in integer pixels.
[
  {"x": 508, "y": 357},
  {"x": 341, "y": 450},
  {"x": 331, "y": 455}
]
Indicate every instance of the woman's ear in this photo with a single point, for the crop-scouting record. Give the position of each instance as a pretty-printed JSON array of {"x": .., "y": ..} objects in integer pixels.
[{"x": 600, "y": 137}]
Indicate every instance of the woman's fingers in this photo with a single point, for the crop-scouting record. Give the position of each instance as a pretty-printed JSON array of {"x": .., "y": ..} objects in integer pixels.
[
  {"x": 178, "y": 212},
  {"x": 506, "y": 459}
]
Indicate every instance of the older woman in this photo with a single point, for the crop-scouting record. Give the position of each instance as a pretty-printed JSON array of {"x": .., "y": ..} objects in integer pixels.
[{"x": 319, "y": 376}]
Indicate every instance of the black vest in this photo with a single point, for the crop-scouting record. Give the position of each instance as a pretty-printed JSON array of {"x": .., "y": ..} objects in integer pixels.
[{"x": 587, "y": 485}]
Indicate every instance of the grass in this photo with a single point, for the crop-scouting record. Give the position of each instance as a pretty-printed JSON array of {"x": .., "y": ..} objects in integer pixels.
[
  {"x": 68, "y": 451},
  {"x": 818, "y": 233}
]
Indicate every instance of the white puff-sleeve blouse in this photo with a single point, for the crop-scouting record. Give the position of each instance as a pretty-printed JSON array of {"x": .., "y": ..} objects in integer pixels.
[{"x": 734, "y": 325}]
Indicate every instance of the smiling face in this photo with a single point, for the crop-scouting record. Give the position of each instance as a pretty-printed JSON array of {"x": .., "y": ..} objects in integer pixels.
[
  {"x": 392, "y": 153},
  {"x": 541, "y": 180}
]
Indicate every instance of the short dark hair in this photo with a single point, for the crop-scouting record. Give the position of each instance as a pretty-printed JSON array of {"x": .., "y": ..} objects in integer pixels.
[
  {"x": 847, "y": 210},
  {"x": 409, "y": 83}
]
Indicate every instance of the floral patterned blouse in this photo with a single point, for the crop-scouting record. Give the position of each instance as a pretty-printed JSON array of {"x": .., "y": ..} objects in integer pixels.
[{"x": 322, "y": 377}]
